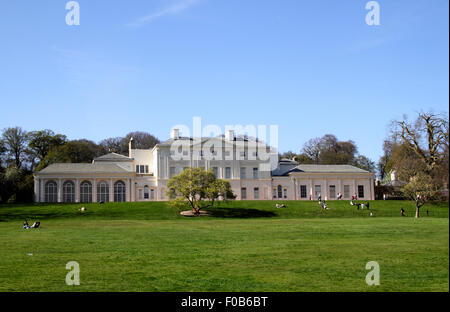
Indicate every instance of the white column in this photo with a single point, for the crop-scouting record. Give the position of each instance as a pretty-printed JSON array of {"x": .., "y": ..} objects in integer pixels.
[
  {"x": 127, "y": 190},
  {"x": 77, "y": 191},
  {"x": 41, "y": 191},
  {"x": 340, "y": 187},
  {"x": 94, "y": 191},
  {"x": 355, "y": 191},
  {"x": 111, "y": 191},
  {"x": 311, "y": 189},
  {"x": 325, "y": 191},
  {"x": 36, "y": 190},
  {"x": 133, "y": 191},
  {"x": 372, "y": 189},
  {"x": 59, "y": 191}
]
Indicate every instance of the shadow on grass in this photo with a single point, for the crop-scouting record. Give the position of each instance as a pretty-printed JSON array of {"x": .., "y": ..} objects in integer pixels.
[{"x": 240, "y": 213}]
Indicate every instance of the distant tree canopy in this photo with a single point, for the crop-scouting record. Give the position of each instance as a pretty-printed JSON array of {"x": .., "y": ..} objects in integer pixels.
[
  {"x": 141, "y": 140},
  {"x": 328, "y": 150}
]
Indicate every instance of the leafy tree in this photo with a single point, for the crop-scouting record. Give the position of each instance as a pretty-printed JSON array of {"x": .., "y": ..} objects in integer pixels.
[
  {"x": 77, "y": 151},
  {"x": 199, "y": 188},
  {"x": 15, "y": 143},
  {"x": 364, "y": 163},
  {"x": 420, "y": 189},
  {"x": 328, "y": 150},
  {"x": 41, "y": 142}
]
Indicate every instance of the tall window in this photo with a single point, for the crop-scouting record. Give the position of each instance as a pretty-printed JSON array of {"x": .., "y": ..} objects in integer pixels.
[
  {"x": 171, "y": 172},
  {"x": 119, "y": 191},
  {"x": 332, "y": 191},
  {"x": 152, "y": 194},
  {"x": 216, "y": 171},
  {"x": 85, "y": 192},
  {"x": 146, "y": 192},
  {"x": 103, "y": 192},
  {"x": 256, "y": 193},
  {"x": 228, "y": 173},
  {"x": 317, "y": 191},
  {"x": 51, "y": 192},
  {"x": 243, "y": 193},
  {"x": 255, "y": 173},
  {"x": 285, "y": 193},
  {"x": 303, "y": 193},
  {"x": 280, "y": 191},
  {"x": 346, "y": 191},
  {"x": 243, "y": 175},
  {"x": 68, "y": 192},
  {"x": 360, "y": 191}
]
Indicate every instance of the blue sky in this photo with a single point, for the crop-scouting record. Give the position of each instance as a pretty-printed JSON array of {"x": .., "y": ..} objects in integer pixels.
[{"x": 310, "y": 67}]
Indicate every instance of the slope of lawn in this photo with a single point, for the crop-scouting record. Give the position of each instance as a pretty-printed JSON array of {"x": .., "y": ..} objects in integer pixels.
[{"x": 245, "y": 246}]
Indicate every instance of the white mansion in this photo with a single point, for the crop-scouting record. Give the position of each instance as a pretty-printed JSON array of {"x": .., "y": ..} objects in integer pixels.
[{"x": 253, "y": 171}]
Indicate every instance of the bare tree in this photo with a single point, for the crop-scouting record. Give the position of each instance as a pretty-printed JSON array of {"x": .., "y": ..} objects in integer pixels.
[
  {"x": 15, "y": 143},
  {"x": 428, "y": 137}
]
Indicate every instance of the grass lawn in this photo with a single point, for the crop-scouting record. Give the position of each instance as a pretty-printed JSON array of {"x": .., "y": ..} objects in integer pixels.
[{"x": 245, "y": 246}]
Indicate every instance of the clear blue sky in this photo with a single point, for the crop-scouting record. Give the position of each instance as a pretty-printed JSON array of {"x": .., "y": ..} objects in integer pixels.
[{"x": 310, "y": 67}]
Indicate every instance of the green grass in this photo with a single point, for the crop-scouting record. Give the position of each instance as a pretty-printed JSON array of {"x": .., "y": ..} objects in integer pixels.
[{"x": 246, "y": 246}]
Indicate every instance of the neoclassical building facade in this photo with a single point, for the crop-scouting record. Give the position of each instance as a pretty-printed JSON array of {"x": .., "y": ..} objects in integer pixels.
[{"x": 254, "y": 172}]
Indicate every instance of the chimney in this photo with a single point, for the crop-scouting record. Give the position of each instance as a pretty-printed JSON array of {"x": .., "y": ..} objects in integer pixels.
[
  {"x": 130, "y": 145},
  {"x": 229, "y": 136},
  {"x": 175, "y": 134}
]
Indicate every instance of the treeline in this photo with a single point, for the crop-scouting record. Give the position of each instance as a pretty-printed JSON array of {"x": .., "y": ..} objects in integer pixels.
[
  {"x": 328, "y": 150},
  {"x": 22, "y": 153}
]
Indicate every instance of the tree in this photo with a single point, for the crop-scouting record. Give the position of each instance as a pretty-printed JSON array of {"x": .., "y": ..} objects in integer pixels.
[
  {"x": 312, "y": 150},
  {"x": 15, "y": 142},
  {"x": 115, "y": 145},
  {"x": 77, "y": 151},
  {"x": 327, "y": 150},
  {"x": 141, "y": 140},
  {"x": 420, "y": 147},
  {"x": 420, "y": 189},
  {"x": 199, "y": 188},
  {"x": 364, "y": 163},
  {"x": 41, "y": 142},
  {"x": 427, "y": 138},
  {"x": 288, "y": 155}
]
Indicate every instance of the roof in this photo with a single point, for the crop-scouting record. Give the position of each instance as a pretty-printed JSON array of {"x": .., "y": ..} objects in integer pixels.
[
  {"x": 72, "y": 168},
  {"x": 285, "y": 168},
  {"x": 113, "y": 157}
]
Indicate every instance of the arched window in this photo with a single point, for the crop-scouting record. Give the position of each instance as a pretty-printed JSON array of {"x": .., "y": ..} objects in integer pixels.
[
  {"x": 51, "y": 192},
  {"x": 86, "y": 192},
  {"x": 68, "y": 192},
  {"x": 103, "y": 192},
  {"x": 280, "y": 191},
  {"x": 119, "y": 191},
  {"x": 146, "y": 192}
]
